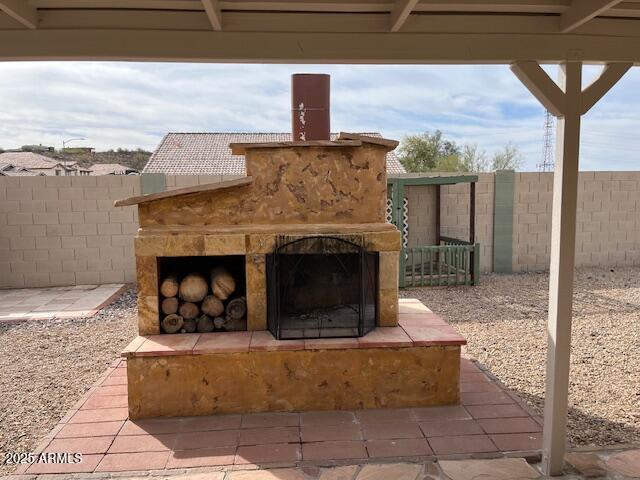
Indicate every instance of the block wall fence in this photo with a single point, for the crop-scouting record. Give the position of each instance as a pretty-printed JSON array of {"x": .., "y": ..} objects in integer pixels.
[{"x": 58, "y": 231}]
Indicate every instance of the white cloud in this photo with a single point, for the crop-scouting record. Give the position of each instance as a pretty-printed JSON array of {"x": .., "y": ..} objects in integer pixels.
[{"x": 133, "y": 105}]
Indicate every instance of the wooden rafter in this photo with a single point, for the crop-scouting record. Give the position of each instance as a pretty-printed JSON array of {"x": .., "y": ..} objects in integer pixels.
[
  {"x": 581, "y": 11},
  {"x": 610, "y": 75},
  {"x": 554, "y": 99},
  {"x": 21, "y": 11},
  {"x": 212, "y": 7},
  {"x": 540, "y": 85},
  {"x": 401, "y": 11}
]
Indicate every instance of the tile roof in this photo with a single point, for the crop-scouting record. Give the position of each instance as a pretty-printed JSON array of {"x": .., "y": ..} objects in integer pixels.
[
  {"x": 36, "y": 161},
  {"x": 209, "y": 153},
  {"x": 10, "y": 170},
  {"x": 21, "y": 173},
  {"x": 27, "y": 160},
  {"x": 110, "y": 169}
]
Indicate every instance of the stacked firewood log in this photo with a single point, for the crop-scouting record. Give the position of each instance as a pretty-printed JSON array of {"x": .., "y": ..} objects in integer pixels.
[{"x": 194, "y": 303}]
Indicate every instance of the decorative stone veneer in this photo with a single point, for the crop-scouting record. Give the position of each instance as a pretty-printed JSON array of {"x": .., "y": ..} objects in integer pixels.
[
  {"x": 337, "y": 189},
  {"x": 414, "y": 364},
  {"x": 344, "y": 379},
  {"x": 255, "y": 246},
  {"x": 338, "y": 184}
]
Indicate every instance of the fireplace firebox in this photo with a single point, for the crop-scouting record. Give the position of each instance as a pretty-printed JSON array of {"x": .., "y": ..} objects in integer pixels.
[{"x": 321, "y": 287}]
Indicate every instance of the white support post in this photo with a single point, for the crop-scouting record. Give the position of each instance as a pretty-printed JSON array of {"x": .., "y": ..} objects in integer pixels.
[
  {"x": 568, "y": 102},
  {"x": 563, "y": 241}
]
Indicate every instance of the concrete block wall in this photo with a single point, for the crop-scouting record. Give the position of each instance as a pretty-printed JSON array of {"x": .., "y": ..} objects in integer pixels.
[
  {"x": 454, "y": 215},
  {"x": 422, "y": 203},
  {"x": 57, "y": 231},
  {"x": 66, "y": 231},
  {"x": 607, "y": 231},
  {"x": 608, "y": 220}
]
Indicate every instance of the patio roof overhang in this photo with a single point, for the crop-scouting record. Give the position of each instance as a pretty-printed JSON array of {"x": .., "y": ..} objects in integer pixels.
[
  {"x": 522, "y": 33},
  {"x": 321, "y": 31}
]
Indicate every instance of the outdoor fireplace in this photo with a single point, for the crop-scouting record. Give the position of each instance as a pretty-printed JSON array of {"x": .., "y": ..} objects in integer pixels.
[
  {"x": 304, "y": 242},
  {"x": 321, "y": 287}
]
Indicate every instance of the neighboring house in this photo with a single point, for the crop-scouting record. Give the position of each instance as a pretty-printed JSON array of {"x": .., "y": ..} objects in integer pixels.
[
  {"x": 41, "y": 164},
  {"x": 209, "y": 153},
  {"x": 9, "y": 170},
  {"x": 37, "y": 148},
  {"x": 78, "y": 150},
  {"x": 112, "y": 169}
]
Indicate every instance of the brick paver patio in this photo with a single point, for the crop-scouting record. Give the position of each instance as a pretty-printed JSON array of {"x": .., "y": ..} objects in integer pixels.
[
  {"x": 17, "y": 305},
  {"x": 490, "y": 422}
]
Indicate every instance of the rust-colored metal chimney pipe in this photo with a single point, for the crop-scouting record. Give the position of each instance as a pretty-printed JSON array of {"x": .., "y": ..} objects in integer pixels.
[{"x": 310, "y": 112}]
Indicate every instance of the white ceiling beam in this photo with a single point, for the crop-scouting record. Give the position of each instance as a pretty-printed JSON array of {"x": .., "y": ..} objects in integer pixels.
[
  {"x": 540, "y": 85},
  {"x": 21, "y": 11},
  {"x": 106, "y": 44},
  {"x": 212, "y": 7},
  {"x": 401, "y": 11},
  {"x": 610, "y": 75},
  {"x": 581, "y": 11},
  {"x": 287, "y": 22}
]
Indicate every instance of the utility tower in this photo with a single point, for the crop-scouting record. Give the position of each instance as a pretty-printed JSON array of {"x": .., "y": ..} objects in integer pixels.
[{"x": 547, "y": 149}]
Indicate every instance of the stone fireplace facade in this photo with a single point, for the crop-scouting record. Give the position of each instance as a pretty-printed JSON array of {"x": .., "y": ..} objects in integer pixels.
[
  {"x": 296, "y": 190},
  {"x": 305, "y": 237}
]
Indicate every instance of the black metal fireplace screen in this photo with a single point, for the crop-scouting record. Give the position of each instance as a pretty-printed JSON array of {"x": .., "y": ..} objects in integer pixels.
[{"x": 321, "y": 287}]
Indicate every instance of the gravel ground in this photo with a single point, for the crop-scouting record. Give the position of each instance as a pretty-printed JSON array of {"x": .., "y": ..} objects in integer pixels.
[
  {"x": 47, "y": 365},
  {"x": 504, "y": 321}
]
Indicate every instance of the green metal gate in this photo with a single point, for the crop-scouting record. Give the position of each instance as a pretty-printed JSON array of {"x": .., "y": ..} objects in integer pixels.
[{"x": 450, "y": 261}]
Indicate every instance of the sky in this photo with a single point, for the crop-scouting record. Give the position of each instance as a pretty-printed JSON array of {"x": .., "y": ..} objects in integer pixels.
[{"x": 133, "y": 105}]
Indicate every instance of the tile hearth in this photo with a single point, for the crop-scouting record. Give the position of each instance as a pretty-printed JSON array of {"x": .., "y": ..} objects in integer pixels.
[
  {"x": 99, "y": 427},
  {"x": 415, "y": 364}
]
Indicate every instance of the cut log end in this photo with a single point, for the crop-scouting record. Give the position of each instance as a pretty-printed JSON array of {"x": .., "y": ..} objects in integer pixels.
[
  {"x": 222, "y": 283},
  {"x": 193, "y": 288},
  {"x": 237, "y": 308},
  {"x": 212, "y": 306},
  {"x": 189, "y": 310},
  {"x": 169, "y": 286},
  {"x": 190, "y": 325},
  {"x": 205, "y": 324},
  {"x": 169, "y": 305},
  {"x": 172, "y": 323}
]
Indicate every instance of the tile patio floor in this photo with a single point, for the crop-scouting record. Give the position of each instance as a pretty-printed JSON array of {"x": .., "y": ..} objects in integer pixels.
[
  {"x": 23, "y": 304},
  {"x": 490, "y": 422}
]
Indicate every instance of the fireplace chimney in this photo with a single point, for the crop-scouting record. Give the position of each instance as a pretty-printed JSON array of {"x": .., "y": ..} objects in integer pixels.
[{"x": 310, "y": 117}]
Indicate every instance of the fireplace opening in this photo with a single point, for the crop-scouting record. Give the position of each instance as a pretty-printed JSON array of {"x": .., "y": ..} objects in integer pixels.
[
  {"x": 202, "y": 294},
  {"x": 321, "y": 287}
]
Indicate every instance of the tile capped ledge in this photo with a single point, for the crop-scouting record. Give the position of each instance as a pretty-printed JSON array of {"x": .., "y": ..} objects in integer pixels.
[
  {"x": 431, "y": 332},
  {"x": 158, "y": 345}
]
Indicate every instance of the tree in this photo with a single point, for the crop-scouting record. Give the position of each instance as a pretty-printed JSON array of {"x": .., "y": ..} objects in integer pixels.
[
  {"x": 431, "y": 152},
  {"x": 473, "y": 159},
  {"x": 508, "y": 159},
  {"x": 423, "y": 152},
  {"x": 449, "y": 163}
]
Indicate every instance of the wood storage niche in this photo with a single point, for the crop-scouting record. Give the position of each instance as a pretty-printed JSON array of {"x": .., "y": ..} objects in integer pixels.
[{"x": 202, "y": 294}]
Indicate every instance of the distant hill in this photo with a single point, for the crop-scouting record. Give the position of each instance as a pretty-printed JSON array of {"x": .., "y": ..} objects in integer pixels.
[{"x": 136, "y": 159}]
